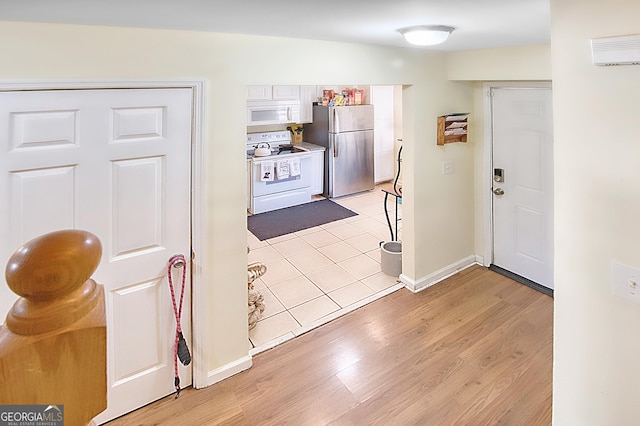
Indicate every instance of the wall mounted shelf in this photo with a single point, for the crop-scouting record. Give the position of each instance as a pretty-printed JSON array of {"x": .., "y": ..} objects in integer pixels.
[{"x": 452, "y": 128}]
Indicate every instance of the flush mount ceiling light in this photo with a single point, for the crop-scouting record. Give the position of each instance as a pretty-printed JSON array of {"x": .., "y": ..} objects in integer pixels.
[{"x": 426, "y": 35}]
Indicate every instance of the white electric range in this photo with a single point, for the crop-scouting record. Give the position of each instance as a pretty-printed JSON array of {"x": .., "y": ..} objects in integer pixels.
[{"x": 280, "y": 179}]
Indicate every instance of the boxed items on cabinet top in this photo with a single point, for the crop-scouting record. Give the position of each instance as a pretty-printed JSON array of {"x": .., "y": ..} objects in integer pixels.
[{"x": 347, "y": 97}]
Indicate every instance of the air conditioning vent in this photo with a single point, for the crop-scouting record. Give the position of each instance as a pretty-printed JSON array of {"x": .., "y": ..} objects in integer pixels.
[{"x": 623, "y": 50}]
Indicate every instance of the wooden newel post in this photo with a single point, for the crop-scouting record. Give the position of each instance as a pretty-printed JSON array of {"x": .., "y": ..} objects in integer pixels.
[{"x": 53, "y": 342}]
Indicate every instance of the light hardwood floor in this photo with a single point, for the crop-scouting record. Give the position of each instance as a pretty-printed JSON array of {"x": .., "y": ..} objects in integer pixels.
[{"x": 475, "y": 349}]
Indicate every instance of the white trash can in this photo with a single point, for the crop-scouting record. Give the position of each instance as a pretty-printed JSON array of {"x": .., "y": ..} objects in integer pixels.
[{"x": 391, "y": 258}]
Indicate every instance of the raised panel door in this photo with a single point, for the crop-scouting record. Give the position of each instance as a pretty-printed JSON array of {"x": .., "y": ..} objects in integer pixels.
[
  {"x": 115, "y": 163},
  {"x": 286, "y": 93},
  {"x": 523, "y": 201}
]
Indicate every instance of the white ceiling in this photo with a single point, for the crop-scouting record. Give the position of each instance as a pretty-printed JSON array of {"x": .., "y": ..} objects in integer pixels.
[{"x": 478, "y": 23}]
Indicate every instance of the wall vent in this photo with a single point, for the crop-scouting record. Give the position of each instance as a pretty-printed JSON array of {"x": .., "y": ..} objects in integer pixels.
[{"x": 622, "y": 50}]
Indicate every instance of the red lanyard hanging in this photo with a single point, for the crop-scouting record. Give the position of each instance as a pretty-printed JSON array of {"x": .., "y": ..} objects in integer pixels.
[{"x": 180, "y": 348}]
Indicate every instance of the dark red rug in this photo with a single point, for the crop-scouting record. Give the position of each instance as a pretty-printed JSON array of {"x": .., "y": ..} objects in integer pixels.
[{"x": 296, "y": 218}]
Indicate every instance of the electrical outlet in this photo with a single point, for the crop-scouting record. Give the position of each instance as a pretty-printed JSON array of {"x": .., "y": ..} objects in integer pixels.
[
  {"x": 626, "y": 282},
  {"x": 447, "y": 167}
]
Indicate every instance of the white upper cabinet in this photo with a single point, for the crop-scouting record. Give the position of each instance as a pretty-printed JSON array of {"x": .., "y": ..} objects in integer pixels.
[
  {"x": 259, "y": 93},
  {"x": 286, "y": 93},
  {"x": 273, "y": 93},
  {"x": 307, "y": 97}
]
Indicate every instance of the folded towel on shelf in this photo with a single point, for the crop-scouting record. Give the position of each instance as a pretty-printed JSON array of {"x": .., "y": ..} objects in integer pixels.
[
  {"x": 282, "y": 169},
  {"x": 266, "y": 171},
  {"x": 294, "y": 166}
]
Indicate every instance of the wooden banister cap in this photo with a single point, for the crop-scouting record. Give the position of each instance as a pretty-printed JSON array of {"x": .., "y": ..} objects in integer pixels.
[{"x": 52, "y": 274}]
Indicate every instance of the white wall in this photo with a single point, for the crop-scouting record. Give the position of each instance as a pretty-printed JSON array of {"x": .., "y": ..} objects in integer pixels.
[
  {"x": 503, "y": 63},
  {"x": 500, "y": 65},
  {"x": 438, "y": 210},
  {"x": 597, "y": 199}
]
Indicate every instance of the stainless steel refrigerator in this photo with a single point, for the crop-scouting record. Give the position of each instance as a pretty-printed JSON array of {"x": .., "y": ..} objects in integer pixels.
[{"x": 347, "y": 133}]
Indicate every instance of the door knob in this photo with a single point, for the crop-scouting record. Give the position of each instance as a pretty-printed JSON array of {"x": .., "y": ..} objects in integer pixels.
[{"x": 498, "y": 191}]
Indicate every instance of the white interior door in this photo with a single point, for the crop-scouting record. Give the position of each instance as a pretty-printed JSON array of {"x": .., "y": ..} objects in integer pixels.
[
  {"x": 115, "y": 163},
  {"x": 523, "y": 201}
]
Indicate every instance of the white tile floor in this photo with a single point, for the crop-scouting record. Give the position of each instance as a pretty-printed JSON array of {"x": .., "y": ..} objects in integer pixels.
[{"x": 318, "y": 274}]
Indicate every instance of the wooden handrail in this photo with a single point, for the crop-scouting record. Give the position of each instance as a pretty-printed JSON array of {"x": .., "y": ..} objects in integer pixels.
[{"x": 53, "y": 342}]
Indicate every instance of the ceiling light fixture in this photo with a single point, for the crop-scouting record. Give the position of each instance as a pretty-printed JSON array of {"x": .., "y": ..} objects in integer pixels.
[{"x": 426, "y": 35}]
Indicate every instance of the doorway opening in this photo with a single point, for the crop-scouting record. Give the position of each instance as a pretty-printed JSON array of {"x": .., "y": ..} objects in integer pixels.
[{"x": 318, "y": 274}]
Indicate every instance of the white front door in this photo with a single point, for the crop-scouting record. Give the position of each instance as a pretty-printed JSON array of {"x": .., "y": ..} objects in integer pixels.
[
  {"x": 523, "y": 200},
  {"x": 115, "y": 163}
]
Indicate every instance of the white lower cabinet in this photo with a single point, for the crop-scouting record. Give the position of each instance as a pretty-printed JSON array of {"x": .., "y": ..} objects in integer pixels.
[
  {"x": 317, "y": 165},
  {"x": 248, "y": 184}
]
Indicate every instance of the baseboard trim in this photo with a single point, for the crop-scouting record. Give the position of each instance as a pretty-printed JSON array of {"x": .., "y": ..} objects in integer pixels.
[
  {"x": 228, "y": 370},
  {"x": 437, "y": 276},
  {"x": 522, "y": 280}
]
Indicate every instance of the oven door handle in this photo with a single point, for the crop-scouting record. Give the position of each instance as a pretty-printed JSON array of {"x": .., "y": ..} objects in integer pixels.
[{"x": 301, "y": 156}]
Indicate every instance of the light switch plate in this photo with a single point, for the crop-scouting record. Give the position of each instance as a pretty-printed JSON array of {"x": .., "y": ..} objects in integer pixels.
[
  {"x": 626, "y": 281},
  {"x": 447, "y": 167}
]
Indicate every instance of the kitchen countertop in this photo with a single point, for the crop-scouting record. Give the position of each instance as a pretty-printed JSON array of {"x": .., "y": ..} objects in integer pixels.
[{"x": 310, "y": 146}]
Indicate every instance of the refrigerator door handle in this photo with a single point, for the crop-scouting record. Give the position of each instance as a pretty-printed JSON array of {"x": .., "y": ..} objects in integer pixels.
[{"x": 335, "y": 148}]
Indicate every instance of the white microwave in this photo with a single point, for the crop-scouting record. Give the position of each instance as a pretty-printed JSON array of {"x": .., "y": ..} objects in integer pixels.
[{"x": 272, "y": 112}]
